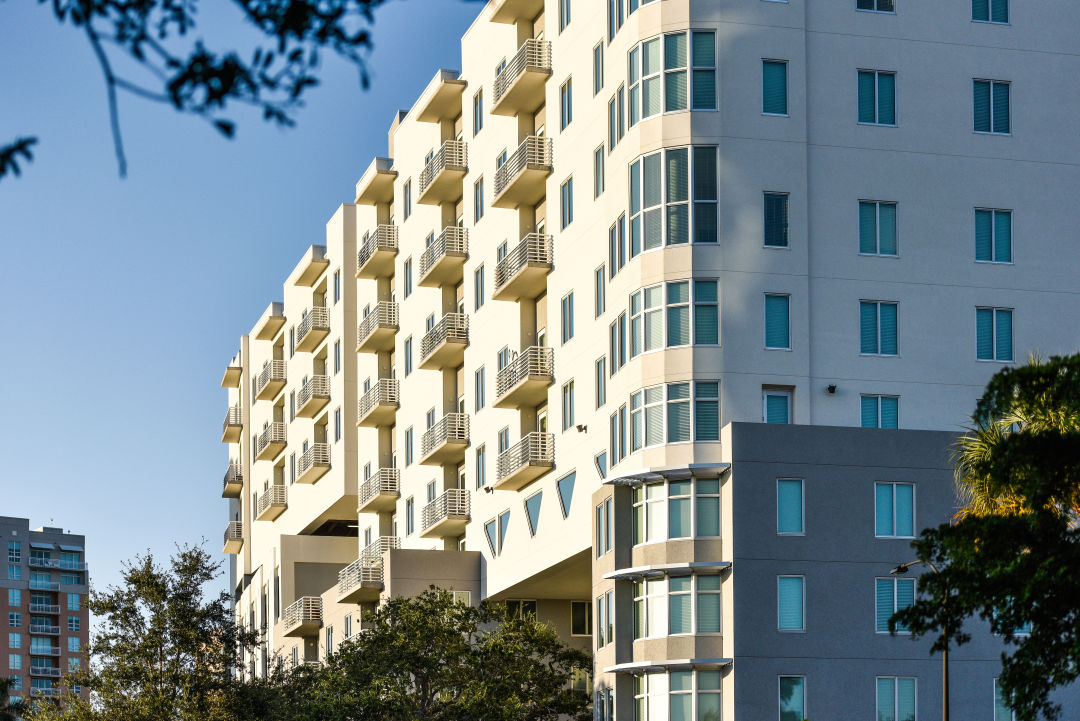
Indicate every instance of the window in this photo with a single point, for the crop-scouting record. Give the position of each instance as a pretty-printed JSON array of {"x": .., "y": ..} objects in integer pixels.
[
  {"x": 14, "y": 572},
  {"x": 408, "y": 356},
  {"x": 479, "y": 389},
  {"x": 774, "y": 87},
  {"x": 14, "y": 596},
  {"x": 14, "y": 661},
  {"x": 580, "y": 618},
  {"x": 789, "y": 507},
  {"x": 605, "y": 619},
  {"x": 495, "y": 531},
  {"x": 566, "y": 101},
  {"x": 567, "y": 317},
  {"x": 598, "y": 68},
  {"x": 478, "y": 199},
  {"x": 532, "y": 511},
  {"x": 892, "y": 595},
  {"x": 504, "y": 440},
  {"x": 292, "y": 405},
  {"x": 991, "y": 106},
  {"x": 877, "y": 97},
  {"x": 478, "y": 112},
  {"x": 407, "y": 276},
  {"x": 894, "y": 510},
  {"x": 292, "y": 341},
  {"x": 895, "y": 698},
  {"x": 564, "y": 14},
  {"x": 1002, "y": 712},
  {"x": 776, "y": 220},
  {"x": 881, "y": 6},
  {"x": 655, "y": 419},
  {"x": 481, "y": 466},
  {"x": 617, "y": 246},
  {"x": 408, "y": 446},
  {"x": 777, "y": 323},
  {"x": 649, "y": 314},
  {"x": 661, "y": 85},
  {"x": 790, "y": 603},
  {"x": 776, "y": 405},
  {"x": 599, "y": 292},
  {"x": 337, "y": 357},
  {"x": 502, "y": 359},
  {"x": 617, "y": 343},
  {"x": 478, "y": 287},
  {"x": 879, "y": 411},
  {"x": 676, "y": 605},
  {"x": 618, "y": 435},
  {"x": 73, "y": 644},
  {"x": 598, "y": 171},
  {"x": 566, "y": 195},
  {"x": 792, "y": 700},
  {"x": 877, "y": 328},
  {"x": 406, "y": 198},
  {"x": 565, "y": 486},
  {"x": 14, "y": 551},
  {"x": 568, "y": 405},
  {"x": 600, "y": 461},
  {"x": 410, "y": 520},
  {"x": 678, "y": 695},
  {"x": 292, "y": 468},
  {"x": 994, "y": 336},
  {"x": 14, "y": 619},
  {"x": 605, "y": 521},
  {"x": 663, "y": 510},
  {"x": 990, "y": 11},
  {"x": 993, "y": 235},
  {"x": 877, "y": 228},
  {"x": 337, "y": 286},
  {"x": 601, "y": 381},
  {"x": 337, "y": 424},
  {"x": 15, "y": 640},
  {"x": 73, "y": 623},
  {"x": 73, "y": 602},
  {"x": 660, "y": 198}
]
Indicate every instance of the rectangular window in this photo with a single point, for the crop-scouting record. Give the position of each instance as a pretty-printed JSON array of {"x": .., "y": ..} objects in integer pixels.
[
  {"x": 994, "y": 334},
  {"x": 410, "y": 505},
  {"x": 15, "y": 640},
  {"x": 337, "y": 424},
  {"x": 478, "y": 287},
  {"x": 504, "y": 440},
  {"x": 599, "y": 292},
  {"x": 408, "y": 356},
  {"x": 991, "y": 106},
  {"x": 990, "y": 11},
  {"x": 567, "y": 316},
  {"x": 478, "y": 200},
  {"x": 337, "y": 357},
  {"x": 406, "y": 196},
  {"x": 776, "y": 220},
  {"x": 478, "y": 389},
  {"x": 707, "y": 411},
  {"x": 792, "y": 698},
  {"x": 337, "y": 286},
  {"x": 14, "y": 551},
  {"x": 478, "y": 112},
  {"x": 407, "y": 276},
  {"x": 598, "y": 171},
  {"x": 993, "y": 235},
  {"x": 789, "y": 506},
  {"x": 566, "y": 102},
  {"x": 776, "y": 405},
  {"x": 14, "y": 596},
  {"x": 566, "y": 195},
  {"x": 292, "y": 405},
  {"x": 774, "y": 87},
  {"x": 1002, "y": 712},
  {"x": 580, "y": 618},
  {"x": 604, "y": 527},
  {"x": 408, "y": 447},
  {"x": 14, "y": 619},
  {"x": 894, "y": 510},
  {"x": 880, "y": 411},
  {"x": 661, "y": 196},
  {"x": 877, "y": 328},
  {"x": 601, "y": 381},
  {"x": 877, "y": 97},
  {"x": 892, "y": 595},
  {"x": 880, "y": 6},
  {"x": 777, "y": 322},
  {"x": 895, "y": 698},
  {"x": 598, "y": 68},
  {"x": 564, "y": 14},
  {"x": 568, "y": 405},
  {"x": 877, "y": 228},
  {"x": 790, "y": 603},
  {"x": 703, "y": 68},
  {"x": 73, "y": 602},
  {"x": 481, "y": 462},
  {"x": 613, "y": 130}
]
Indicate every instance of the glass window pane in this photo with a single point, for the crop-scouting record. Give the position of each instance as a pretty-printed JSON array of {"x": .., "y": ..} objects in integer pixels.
[
  {"x": 905, "y": 699},
  {"x": 774, "y": 87},
  {"x": 868, "y": 330},
  {"x": 678, "y": 175},
  {"x": 889, "y": 343},
  {"x": 709, "y": 610},
  {"x": 776, "y": 321},
  {"x": 868, "y": 228},
  {"x": 675, "y": 91},
  {"x": 883, "y": 509},
  {"x": 1003, "y": 342},
  {"x": 789, "y": 511},
  {"x": 679, "y": 518},
  {"x": 905, "y": 509},
  {"x": 984, "y": 235},
  {"x": 705, "y": 173},
  {"x": 1001, "y": 107},
  {"x": 982, "y": 106},
  {"x": 883, "y": 603},
  {"x": 889, "y": 412},
  {"x": 886, "y": 97},
  {"x": 791, "y": 698},
  {"x": 866, "y": 96},
  {"x": 790, "y": 603},
  {"x": 704, "y": 87},
  {"x": 650, "y": 97},
  {"x": 886, "y": 699},
  {"x": 650, "y": 56},
  {"x": 651, "y": 165},
  {"x": 704, "y": 51},
  {"x": 678, "y": 224},
  {"x": 869, "y": 411},
  {"x": 1002, "y": 236},
  {"x": 708, "y": 516},
  {"x": 675, "y": 51},
  {"x": 887, "y": 228},
  {"x": 984, "y": 327}
]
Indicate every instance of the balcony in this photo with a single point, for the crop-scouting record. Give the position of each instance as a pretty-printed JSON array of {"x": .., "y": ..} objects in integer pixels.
[
  {"x": 524, "y": 382},
  {"x": 442, "y": 261},
  {"x": 377, "y": 330},
  {"x": 376, "y": 255},
  {"x": 233, "y": 485},
  {"x": 519, "y": 88},
  {"x": 45, "y": 671},
  {"x": 314, "y": 463},
  {"x": 511, "y": 11},
  {"x": 44, "y": 650},
  {"x": 303, "y": 618},
  {"x": 311, "y": 266},
  {"x": 362, "y": 580},
  {"x": 234, "y": 537},
  {"x": 313, "y": 396},
  {"x": 271, "y": 503},
  {"x": 376, "y": 185},
  {"x": 380, "y": 492},
  {"x": 54, "y": 692},
  {"x": 36, "y": 585},
  {"x": 44, "y": 562},
  {"x": 270, "y": 322},
  {"x": 270, "y": 442},
  {"x": 522, "y": 179},
  {"x": 39, "y": 629},
  {"x": 523, "y": 272},
  {"x": 447, "y": 515},
  {"x": 440, "y": 180},
  {"x": 313, "y": 329},
  {"x": 375, "y": 550},
  {"x": 233, "y": 426},
  {"x": 51, "y": 609},
  {"x": 525, "y": 461},
  {"x": 446, "y": 441},
  {"x": 379, "y": 404},
  {"x": 444, "y": 345},
  {"x": 232, "y": 376},
  {"x": 270, "y": 381}
]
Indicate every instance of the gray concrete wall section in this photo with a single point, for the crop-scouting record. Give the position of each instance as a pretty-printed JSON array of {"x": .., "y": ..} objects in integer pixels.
[{"x": 840, "y": 653}]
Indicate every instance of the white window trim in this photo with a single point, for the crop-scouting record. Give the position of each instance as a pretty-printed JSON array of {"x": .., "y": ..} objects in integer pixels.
[
  {"x": 993, "y": 334},
  {"x": 802, "y": 496},
  {"x": 877, "y": 226},
  {"x": 992, "y": 83},
  {"x": 894, "y": 581},
  {"x": 993, "y": 234},
  {"x": 914, "y": 507},
  {"x": 896, "y": 95},
  {"x": 787, "y": 99},
  {"x": 880, "y": 303},
  {"x": 765, "y": 323},
  {"x": 791, "y": 630}
]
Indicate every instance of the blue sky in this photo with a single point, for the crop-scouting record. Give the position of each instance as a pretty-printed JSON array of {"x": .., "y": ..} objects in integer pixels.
[{"x": 125, "y": 299}]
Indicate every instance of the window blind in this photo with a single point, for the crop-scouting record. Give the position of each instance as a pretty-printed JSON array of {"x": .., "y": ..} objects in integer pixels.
[
  {"x": 776, "y": 322},
  {"x": 789, "y": 513},
  {"x": 905, "y": 509},
  {"x": 866, "y": 97},
  {"x": 868, "y": 228},
  {"x": 774, "y": 87},
  {"x": 886, "y": 98},
  {"x": 1003, "y": 342},
  {"x": 1001, "y": 107},
  {"x": 776, "y": 408},
  {"x": 984, "y": 330},
  {"x": 887, "y": 313},
  {"x": 984, "y": 235},
  {"x": 883, "y": 510},
  {"x": 982, "y": 106},
  {"x": 889, "y": 411},
  {"x": 887, "y": 228},
  {"x": 870, "y": 411},
  {"x": 790, "y": 603},
  {"x": 1002, "y": 236},
  {"x": 868, "y": 328},
  {"x": 884, "y": 603}
]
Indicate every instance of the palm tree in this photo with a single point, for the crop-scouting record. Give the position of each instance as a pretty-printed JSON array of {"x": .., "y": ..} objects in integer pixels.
[{"x": 9, "y": 711}]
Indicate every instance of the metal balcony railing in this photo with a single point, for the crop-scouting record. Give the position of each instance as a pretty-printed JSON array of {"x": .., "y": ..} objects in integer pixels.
[
  {"x": 44, "y": 562},
  {"x": 453, "y": 502},
  {"x": 233, "y": 417},
  {"x": 452, "y": 153},
  {"x": 533, "y": 361},
  {"x": 273, "y": 433},
  {"x": 533, "y": 248},
  {"x": 362, "y": 570},
  {"x": 534, "y": 449},
  {"x": 36, "y": 585},
  {"x": 45, "y": 692},
  {"x": 273, "y": 371},
  {"x": 72, "y": 565},
  {"x": 452, "y": 327},
  {"x": 534, "y": 150},
  {"x": 318, "y": 318},
  {"x": 50, "y": 608},
  {"x": 50, "y": 671},
  {"x": 316, "y": 386},
  {"x": 375, "y": 549},
  {"x": 44, "y": 650},
  {"x": 385, "y": 391},
  {"x": 234, "y": 475},
  {"x": 385, "y": 237},
  {"x": 385, "y": 480},
  {"x": 454, "y": 427},
  {"x": 384, "y": 313},
  {"x": 317, "y": 455},
  {"x": 533, "y": 54},
  {"x": 275, "y": 495},
  {"x": 452, "y": 239},
  {"x": 306, "y": 609},
  {"x": 234, "y": 531},
  {"x": 44, "y": 629}
]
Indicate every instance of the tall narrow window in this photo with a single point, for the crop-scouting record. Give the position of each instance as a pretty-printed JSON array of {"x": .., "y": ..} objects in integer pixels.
[
  {"x": 877, "y": 97},
  {"x": 406, "y": 198},
  {"x": 877, "y": 228},
  {"x": 568, "y": 405},
  {"x": 789, "y": 603},
  {"x": 892, "y": 595},
  {"x": 599, "y": 292},
  {"x": 879, "y": 411},
  {"x": 776, "y": 220},
  {"x": 410, "y": 520},
  {"x": 1002, "y": 711},
  {"x": 566, "y": 195},
  {"x": 567, "y": 317},
  {"x": 408, "y": 356},
  {"x": 877, "y": 328},
  {"x": 991, "y": 107},
  {"x": 407, "y": 276},
  {"x": 777, "y": 323},
  {"x": 774, "y": 87},
  {"x": 478, "y": 287},
  {"x": 789, "y": 506},
  {"x": 566, "y": 103},
  {"x": 601, "y": 381},
  {"x": 894, "y": 510},
  {"x": 478, "y": 111},
  {"x": 598, "y": 171},
  {"x": 776, "y": 405},
  {"x": 994, "y": 334},
  {"x": 481, "y": 463},
  {"x": 707, "y": 411},
  {"x": 564, "y": 14},
  {"x": 792, "y": 698},
  {"x": 598, "y": 68},
  {"x": 478, "y": 200},
  {"x": 993, "y": 235},
  {"x": 703, "y": 61},
  {"x": 895, "y": 698},
  {"x": 479, "y": 390},
  {"x": 990, "y": 11}
]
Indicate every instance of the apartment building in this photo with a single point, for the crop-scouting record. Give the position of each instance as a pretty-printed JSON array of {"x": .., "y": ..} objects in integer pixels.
[
  {"x": 630, "y": 253},
  {"x": 44, "y": 602}
]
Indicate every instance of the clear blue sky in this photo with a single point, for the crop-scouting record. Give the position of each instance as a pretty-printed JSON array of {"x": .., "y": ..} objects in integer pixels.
[{"x": 125, "y": 299}]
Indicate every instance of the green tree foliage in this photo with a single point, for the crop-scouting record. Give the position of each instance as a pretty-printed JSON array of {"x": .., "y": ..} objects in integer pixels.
[
  {"x": 1013, "y": 559},
  {"x": 163, "y": 651},
  {"x": 9, "y": 710}
]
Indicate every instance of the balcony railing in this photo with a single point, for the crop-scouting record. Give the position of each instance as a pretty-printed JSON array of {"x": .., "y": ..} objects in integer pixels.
[
  {"x": 271, "y": 380},
  {"x": 535, "y": 364},
  {"x": 271, "y": 502},
  {"x": 376, "y": 254},
  {"x": 45, "y": 692},
  {"x": 530, "y": 163},
  {"x": 445, "y": 439},
  {"x": 303, "y": 617},
  {"x": 234, "y": 536},
  {"x": 442, "y": 261},
  {"x": 271, "y": 441},
  {"x": 532, "y": 58},
  {"x": 233, "y": 483},
  {"x": 36, "y": 585},
  {"x": 523, "y": 271},
  {"x": 379, "y": 403},
  {"x": 440, "y": 180},
  {"x": 375, "y": 549},
  {"x": 44, "y": 562},
  {"x": 444, "y": 345},
  {"x": 50, "y": 608},
  {"x": 381, "y": 491},
  {"x": 47, "y": 671},
  {"x": 525, "y": 461},
  {"x": 233, "y": 425},
  {"x": 361, "y": 580},
  {"x": 313, "y": 396},
  {"x": 44, "y": 629},
  {"x": 44, "y": 650},
  {"x": 313, "y": 328},
  {"x": 376, "y": 331},
  {"x": 453, "y": 504},
  {"x": 314, "y": 463}
]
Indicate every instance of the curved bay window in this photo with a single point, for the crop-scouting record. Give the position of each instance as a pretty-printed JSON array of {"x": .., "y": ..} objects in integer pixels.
[
  {"x": 677, "y": 696},
  {"x": 676, "y": 509}
]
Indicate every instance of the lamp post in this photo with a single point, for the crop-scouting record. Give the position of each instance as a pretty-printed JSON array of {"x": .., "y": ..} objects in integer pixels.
[{"x": 900, "y": 570}]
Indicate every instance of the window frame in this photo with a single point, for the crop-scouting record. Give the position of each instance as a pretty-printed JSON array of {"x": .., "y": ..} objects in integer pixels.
[
  {"x": 994, "y": 212},
  {"x": 781, "y": 677},
  {"x": 994, "y": 310},
  {"x": 765, "y": 328},
  {"x": 802, "y": 506},
  {"x": 787, "y": 84},
  {"x": 875, "y": 8},
  {"x": 878, "y": 344},
  {"x": 896, "y": 694},
  {"x": 990, "y": 15},
  {"x": 895, "y": 603},
  {"x": 876, "y": 99},
  {"x": 877, "y": 227},
  {"x": 802, "y": 612},
  {"x": 990, "y": 107},
  {"x": 914, "y": 509}
]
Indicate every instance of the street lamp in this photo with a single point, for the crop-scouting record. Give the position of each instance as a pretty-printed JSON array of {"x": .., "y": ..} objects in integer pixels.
[{"x": 900, "y": 570}]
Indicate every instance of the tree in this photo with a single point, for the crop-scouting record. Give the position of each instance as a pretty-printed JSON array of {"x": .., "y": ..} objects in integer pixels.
[
  {"x": 1013, "y": 557},
  {"x": 164, "y": 651},
  {"x": 9, "y": 710}
]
